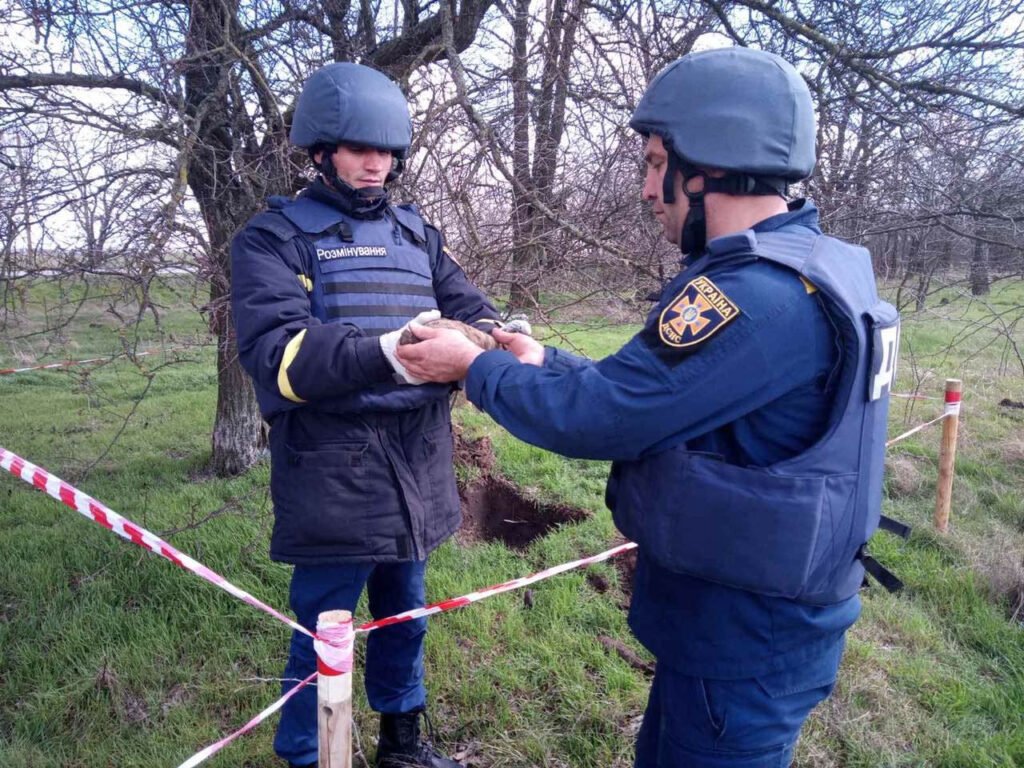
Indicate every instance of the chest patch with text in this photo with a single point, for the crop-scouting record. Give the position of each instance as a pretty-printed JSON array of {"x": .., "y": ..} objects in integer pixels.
[
  {"x": 351, "y": 252},
  {"x": 695, "y": 314}
]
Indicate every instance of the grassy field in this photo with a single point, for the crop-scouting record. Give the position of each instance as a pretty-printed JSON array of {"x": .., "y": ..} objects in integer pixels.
[{"x": 113, "y": 657}]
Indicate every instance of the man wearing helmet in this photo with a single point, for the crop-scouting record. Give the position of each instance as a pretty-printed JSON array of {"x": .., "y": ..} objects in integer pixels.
[
  {"x": 361, "y": 459},
  {"x": 746, "y": 421}
]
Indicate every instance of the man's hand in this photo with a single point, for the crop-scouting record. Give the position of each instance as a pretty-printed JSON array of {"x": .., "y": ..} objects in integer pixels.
[
  {"x": 478, "y": 337},
  {"x": 525, "y": 348},
  {"x": 389, "y": 342},
  {"x": 442, "y": 354}
]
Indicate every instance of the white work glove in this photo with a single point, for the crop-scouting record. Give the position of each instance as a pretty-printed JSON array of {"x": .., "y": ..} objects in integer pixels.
[
  {"x": 518, "y": 324},
  {"x": 389, "y": 342}
]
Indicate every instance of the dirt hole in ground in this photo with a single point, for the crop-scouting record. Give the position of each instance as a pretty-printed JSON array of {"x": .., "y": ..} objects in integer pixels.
[{"x": 494, "y": 509}]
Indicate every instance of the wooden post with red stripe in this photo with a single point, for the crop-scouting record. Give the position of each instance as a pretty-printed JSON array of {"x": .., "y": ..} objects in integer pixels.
[
  {"x": 334, "y": 689},
  {"x": 947, "y": 455}
]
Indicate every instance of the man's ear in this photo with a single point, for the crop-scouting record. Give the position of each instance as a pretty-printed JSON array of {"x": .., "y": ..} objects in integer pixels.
[{"x": 318, "y": 156}]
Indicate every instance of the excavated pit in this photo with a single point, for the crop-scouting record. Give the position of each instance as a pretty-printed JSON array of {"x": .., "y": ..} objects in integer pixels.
[{"x": 493, "y": 509}]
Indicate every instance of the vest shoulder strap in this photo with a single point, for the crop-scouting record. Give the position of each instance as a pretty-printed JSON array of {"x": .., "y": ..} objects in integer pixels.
[
  {"x": 311, "y": 216},
  {"x": 433, "y": 245},
  {"x": 790, "y": 249},
  {"x": 410, "y": 220},
  {"x": 275, "y": 223},
  {"x": 287, "y": 234}
]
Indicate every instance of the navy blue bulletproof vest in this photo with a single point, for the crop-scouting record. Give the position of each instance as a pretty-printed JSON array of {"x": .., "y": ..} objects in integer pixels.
[
  {"x": 374, "y": 274},
  {"x": 798, "y": 528}
]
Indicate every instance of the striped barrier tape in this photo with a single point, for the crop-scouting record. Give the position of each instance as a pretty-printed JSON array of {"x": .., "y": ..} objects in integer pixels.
[
  {"x": 70, "y": 363},
  {"x": 341, "y": 657},
  {"x": 334, "y": 648},
  {"x": 951, "y": 407},
  {"x": 112, "y": 521},
  {"x": 344, "y": 637},
  {"x": 952, "y": 404},
  {"x": 915, "y": 430},
  {"x": 103, "y": 515},
  {"x": 204, "y": 754},
  {"x": 474, "y": 597},
  {"x": 458, "y": 602}
]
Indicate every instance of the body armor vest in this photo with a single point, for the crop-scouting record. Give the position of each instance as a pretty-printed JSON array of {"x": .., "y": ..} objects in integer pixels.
[
  {"x": 798, "y": 528},
  {"x": 374, "y": 274}
]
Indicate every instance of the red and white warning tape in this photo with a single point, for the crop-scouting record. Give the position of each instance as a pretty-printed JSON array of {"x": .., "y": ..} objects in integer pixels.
[
  {"x": 952, "y": 404},
  {"x": 211, "y": 750},
  {"x": 334, "y": 658},
  {"x": 335, "y": 645},
  {"x": 334, "y": 655},
  {"x": 101, "y": 514},
  {"x": 475, "y": 597},
  {"x": 951, "y": 408},
  {"x": 70, "y": 363},
  {"x": 914, "y": 431}
]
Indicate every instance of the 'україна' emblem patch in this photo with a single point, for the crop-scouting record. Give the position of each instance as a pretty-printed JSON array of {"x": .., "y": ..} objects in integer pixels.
[{"x": 695, "y": 314}]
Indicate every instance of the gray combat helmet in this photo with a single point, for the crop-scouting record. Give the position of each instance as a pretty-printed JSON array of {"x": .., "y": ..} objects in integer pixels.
[
  {"x": 736, "y": 109},
  {"x": 345, "y": 103}
]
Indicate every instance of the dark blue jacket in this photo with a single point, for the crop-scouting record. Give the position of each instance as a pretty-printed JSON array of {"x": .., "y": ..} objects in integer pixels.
[
  {"x": 742, "y": 365},
  {"x": 361, "y": 467}
]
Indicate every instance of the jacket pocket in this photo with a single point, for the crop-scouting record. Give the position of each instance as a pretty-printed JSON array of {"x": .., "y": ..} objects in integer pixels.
[{"x": 324, "y": 495}]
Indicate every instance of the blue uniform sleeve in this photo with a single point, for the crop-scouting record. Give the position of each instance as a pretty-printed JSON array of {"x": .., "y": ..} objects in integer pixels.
[
  {"x": 277, "y": 331},
  {"x": 457, "y": 297},
  {"x": 649, "y": 395},
  {"x": 556, "y": 359}
]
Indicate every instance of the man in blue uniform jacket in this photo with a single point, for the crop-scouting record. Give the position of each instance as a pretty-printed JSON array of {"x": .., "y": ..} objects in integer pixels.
[
  {"x": 361, "y": 461},
  {"x": 746, "y": 421}
]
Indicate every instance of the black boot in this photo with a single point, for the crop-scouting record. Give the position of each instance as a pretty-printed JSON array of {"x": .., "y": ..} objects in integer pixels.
[{"x": 400, "y": 746}]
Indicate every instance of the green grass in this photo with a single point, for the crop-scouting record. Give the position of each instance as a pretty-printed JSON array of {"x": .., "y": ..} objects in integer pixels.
[{"x": 112, "y": 656}]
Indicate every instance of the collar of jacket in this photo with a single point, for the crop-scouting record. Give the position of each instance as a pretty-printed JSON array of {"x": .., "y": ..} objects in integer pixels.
[
  {"x": 348, "y": 201},
  {"x": 801, "y": 213}
]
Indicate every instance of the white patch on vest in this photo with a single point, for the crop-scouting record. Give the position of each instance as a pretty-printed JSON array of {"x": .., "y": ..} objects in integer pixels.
[
  {"x": 350, "y": 252},
  {"x": 886, "y": 344}
]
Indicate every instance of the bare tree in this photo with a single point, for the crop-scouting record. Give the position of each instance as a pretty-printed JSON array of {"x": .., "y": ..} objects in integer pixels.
[
  {"x": 173, "y": 118},
  {"x": 200, "y": 93}
]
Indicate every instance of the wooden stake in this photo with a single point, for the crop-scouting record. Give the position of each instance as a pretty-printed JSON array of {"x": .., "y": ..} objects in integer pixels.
[
  {"x": 334, "y": 690},
  {"x": 947, "y": 455}
]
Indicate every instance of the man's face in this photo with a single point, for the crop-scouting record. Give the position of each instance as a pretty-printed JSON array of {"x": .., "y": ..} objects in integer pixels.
[
  {"x": 362, "y": 166},
  {"x": 670, "y": 215}
]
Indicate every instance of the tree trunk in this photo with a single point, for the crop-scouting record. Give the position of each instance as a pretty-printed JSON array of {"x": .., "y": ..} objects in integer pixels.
[
  {"x": 978, "y": 272},
  {"x": 523, "y": 291},
  {"x": 225, "y": 203},
  {"x": 238, "y": 435}
]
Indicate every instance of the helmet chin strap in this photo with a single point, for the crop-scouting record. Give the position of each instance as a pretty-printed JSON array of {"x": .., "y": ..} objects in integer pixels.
[
  {"x": 329, "y": 172},
  {"x": 693, "y": 237}
]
